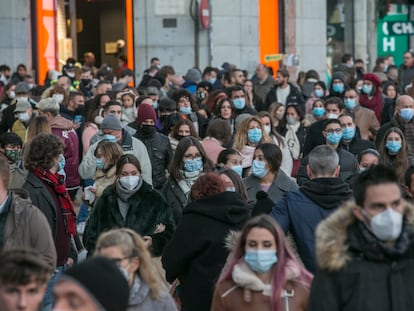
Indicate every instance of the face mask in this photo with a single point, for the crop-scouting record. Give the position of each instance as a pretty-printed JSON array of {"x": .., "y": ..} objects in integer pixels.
[
  {"x": 386, "y": 225},
  {"x": 58, "y": 97},
  {"x": 12, "y": 94},
  {"x": 30, "y": 85},
  {"x": 62, "y": 163},
  {"x": 318, "y": 93},
  {"x": 350, "y": 103},
  {"x": 147, "y": 130},
  {"x": 238, "y": 169},
  {"x": 109, "y": 137},
  {"x": 155, "y": 105},
  {"x": 254, "y": 135},
  {"x": 267, "y": 129},
  {"x": 362, "y": 169},
  {"x": 318, "y": 111},
  {"x": 338, "y": 88},
  {"x": 406, "y": 114},
  {"x": 367, "y": 89},
  {"x": 239, "y": 103},
  {"x": 24, "y": 116},
  {"x": 24, "y": 97},
  {"x": 332, "y": 116},
  {"x": 212, "y": 81},
  {"x": 258, "y": 169},
  {"x": 201, "y": 95},
  {"x": 291, "y": 120},
  {"x": 195, "y": 165},
  {"x": 185, "y": 110},
  {"x": 348, "y": 133},
  {"x": 231, "y": 189},
  {"x": 393, "y": 146},
  {"x": 85, "y": 81},
  {"x": 334, "y": 138},
  {"x": 70, "y": 74},
  {"x": 129, "y": 182},
  {"x": 100, "y": 164},
  {"x": 12, "y": 155},
  {"x": 260, "y": 261}
]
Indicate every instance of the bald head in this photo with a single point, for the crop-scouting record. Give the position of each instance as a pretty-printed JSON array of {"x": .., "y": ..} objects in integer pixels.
[
  {"x": 261, "y": 71},
  {"x": 405, "y": 101}
]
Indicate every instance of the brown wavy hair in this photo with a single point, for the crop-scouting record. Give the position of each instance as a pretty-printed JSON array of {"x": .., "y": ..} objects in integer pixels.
[{"x": 42, "y": 152}]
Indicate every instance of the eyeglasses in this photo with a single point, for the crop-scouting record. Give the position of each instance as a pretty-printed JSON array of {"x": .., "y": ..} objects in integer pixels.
[{"x": 337, "y": 130}]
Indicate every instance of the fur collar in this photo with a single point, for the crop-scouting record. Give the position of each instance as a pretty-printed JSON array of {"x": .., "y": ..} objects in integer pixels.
[{"x": 332, "y": 235}]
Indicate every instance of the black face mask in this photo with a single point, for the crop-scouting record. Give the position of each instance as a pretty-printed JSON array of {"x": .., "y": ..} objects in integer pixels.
[
  {"x": 147, "y": 130},
  {"x": 85, "y": 81}
]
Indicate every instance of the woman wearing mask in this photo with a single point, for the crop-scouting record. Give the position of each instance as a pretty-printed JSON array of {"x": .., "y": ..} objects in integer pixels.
[
  {"x": 195, "y": 256},
  {"x": 233, "y": 182},
  {"x": 393, "y": 150},
  {"x": 319, "y": 92},
  {"x": 190, "y": 160},
  {"x": 372, "y": 96},
  {"x": 58, "y": 93},
  {"x": 279, "y": 140},
  {"x": 295, "y": 135},
  {"x": 231, "y": 158},
  {"x": 318, "y": 112},
  {"x": 132, "y": 203},
  {"x": 250, "y": 134},
  {"x": 182, "y": 129},
  {"x": 277, "y": 112},
  {"x": 267, "y": 175},
  {"x": 130, "y": 253},
  {"x": 262, "y": 273},
  {"x": 8, "y": 95}
]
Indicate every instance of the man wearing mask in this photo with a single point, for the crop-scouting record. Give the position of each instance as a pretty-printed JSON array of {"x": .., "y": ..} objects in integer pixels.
[
  {"x": 404, "y": 120},
  {"x": 338, "y": 85},
  {"x": 158, "y": 145},
  {"x": 364, "y": 249},
  {"x": 23, "y": 114},
  {"x": 86, "y": 84},
  {"x": 238, "y": 95},
  {"x": 11, "y": 147}
]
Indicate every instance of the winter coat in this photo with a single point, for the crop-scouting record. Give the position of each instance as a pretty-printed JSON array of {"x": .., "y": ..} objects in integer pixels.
[
  {"x": 299, "y": 212},
  {"x": 147, "y": 209},
  {"x": 196, "y": 253},
  {"x": 160, "y": 154},
  {"x": 103, "y": 180},
  {"x": 347, "y": 162},
  {"x": 262, "y": 88},
  {"x": 367, "y": 122},
  {"x": 281, "y": 184},
  {"x": 356, "y": 271},
  {"x": 175, "y": 197},
  {"x": 314, "y": 137},
  {"x": 26, "y": 226},
  {"x": 357, "y": 145},
  {"x": 295, "y": 97}
]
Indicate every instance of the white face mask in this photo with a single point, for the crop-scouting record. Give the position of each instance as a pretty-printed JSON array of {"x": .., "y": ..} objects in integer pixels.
[
  {"x": 267, "y": 129},
  {"x": 332, "y": 116},
  {"x": 58, "y": 97},
  {"x": 12, "y": 94},
  {"x": 129, "y": 182},
  {"x": 386, "y": 225},
  {"x": 24, "y": 116}
]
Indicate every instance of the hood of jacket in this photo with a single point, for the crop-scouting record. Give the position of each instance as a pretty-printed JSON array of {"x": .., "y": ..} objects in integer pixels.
[
  {"x": 332, "y": 247},
  {"x": 327, "y": 193},
  {"x": 61, "y": 123},
  {"x": 228, "y": 207}
]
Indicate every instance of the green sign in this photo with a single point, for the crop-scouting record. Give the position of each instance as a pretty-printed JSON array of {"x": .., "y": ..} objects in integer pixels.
[
  {"x": 273, "y": 57},
  {"x": 398, "y": 28}
]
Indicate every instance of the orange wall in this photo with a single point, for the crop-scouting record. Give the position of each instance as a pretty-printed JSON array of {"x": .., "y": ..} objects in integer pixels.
[{"x": 269, "y": 31}]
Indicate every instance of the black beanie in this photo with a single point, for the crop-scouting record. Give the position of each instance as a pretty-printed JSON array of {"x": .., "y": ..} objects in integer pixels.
[
  {"x": 103, "y": 280},
  {"x": 263, "y": 205}
]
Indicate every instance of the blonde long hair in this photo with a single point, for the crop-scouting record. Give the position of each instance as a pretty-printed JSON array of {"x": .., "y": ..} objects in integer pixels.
[{"x": 240, "y": 139}]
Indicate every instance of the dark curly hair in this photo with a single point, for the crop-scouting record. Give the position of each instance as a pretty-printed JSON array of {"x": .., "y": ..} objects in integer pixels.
[{"x": 42, "y": 151}]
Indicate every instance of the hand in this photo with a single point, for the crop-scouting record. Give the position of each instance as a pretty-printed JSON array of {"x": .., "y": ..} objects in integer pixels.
[
  {"x": 159, "y": 228},
  {"x": 70, "y": 262},
  {"x": 148, "y": 240},
  {"x": 92, "y": 189}
]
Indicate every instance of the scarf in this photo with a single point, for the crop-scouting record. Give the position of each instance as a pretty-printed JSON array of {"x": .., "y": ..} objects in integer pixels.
[
  {"x": 56, "y": 181},
  {"x": 293, "y": 140},
  {"x": 188, "y": 181},
  {"x": 247, "y": 154},
  {"x": 375, "y": 103},
  {"x": 408, "y": 130}
]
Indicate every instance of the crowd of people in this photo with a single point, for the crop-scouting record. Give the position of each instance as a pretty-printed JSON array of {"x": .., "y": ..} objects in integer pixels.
[{"x": 217, "y": 190}]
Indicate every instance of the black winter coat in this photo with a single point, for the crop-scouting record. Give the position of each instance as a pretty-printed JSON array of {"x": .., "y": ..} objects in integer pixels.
[
  {"x": 314, "y": 137},
  {"x": 295, "y": 97},
  {"x": 175, "y": 197},
  {"x": 357, "y": 145},
  {"x": 196, "y": 253}
]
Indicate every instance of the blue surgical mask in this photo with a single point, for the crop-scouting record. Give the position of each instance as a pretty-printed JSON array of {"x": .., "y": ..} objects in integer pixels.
[
  {"x": 258, "y": 169},
  {"x": 260, "y": 261},
  {"x": 238, "y": 169},
  {"x": 407, "y": 114},
  {"x": 109, "y": 137},
  {"x": 212, "y": 81},
  {"x": 348, "y": 133},
  {"x": 318, "y": 111},
  {"x": 291, "y": 120},
  {"x": 350, "y": 103},
  {"x": 334, "y": 138},
  {"x": 239, "y": 103},
  {"x": 367, "y": 89},
  {"x": 231, "y": 189},
  {"x": 393, "y": 146},
  {"x": 100, "y": 164},
  {"x": 338, "y": 88},
  {"x": 155, "y": 104},
  {"x": 254, "y": 135},
  {"x": 185, "y": 110},
  {"x": 318, "y": 93},
  {"x": 194, "y": 165},
  {"x": 62, "y": 163}
]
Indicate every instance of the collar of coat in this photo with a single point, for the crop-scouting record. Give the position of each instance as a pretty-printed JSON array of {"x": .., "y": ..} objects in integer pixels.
[{"x": 331, "y": 236}]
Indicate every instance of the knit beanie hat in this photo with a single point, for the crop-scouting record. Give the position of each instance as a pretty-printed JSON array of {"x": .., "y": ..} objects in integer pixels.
[
  {"x": 145, "y": 112},
  {"x": 111, "y": 122},
  {"x": 372, "y": 78},
  {"x": 103, "y": 281}
]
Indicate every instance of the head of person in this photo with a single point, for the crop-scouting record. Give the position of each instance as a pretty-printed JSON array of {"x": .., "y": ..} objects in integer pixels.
[
  {"x": 237, "y": 77},
  {"x": 332, "y": 131},
  {"x": 338, "y": 84},
  {"x": 379, "y": 202},
  {"x": 21, "y": 70},
  {"x": 128, "y": 99},
  {"x": 323, "y": 163},
  {"x": 43, "y": 152},
  {"x": 368, "y": 158},
  {"x": 282, "y": 77},
  {"x": 267, "y": 159},
  {"x": 250, "y": 132},
  {"x": 9, "y": 91},
  {"x": 277, "y": 112},
  {"x": 185, "y": 101},
  {"x": 65, "y": 83},
  {"x": 102, "y": 87},
  {"x": 404, "y": 108},
  {"x": 294, "y": 114},
  {"x": 393, "y": 143},
  {"x": 128, "y": 172},
  {"x": 111, "y": 128},
  {"x": 129, "y": 251},
  {"x": 390, "y": 89},
  {"x": 351, "y": 99},
  {"x": 263, "y": 247},
  {"x": 233, "y": 181},
  {"x": 262, "y": 72},
  {"x": 232, "y": 159},
  {"x": 210, "y": 74},
  {"x": 146, "y": 120},
  {"x": 184, "y": 128},
  {"x": 238, "y": 95},
  {"x": 220, "y": 130},
  {"x": 59, "y": 94},
  {"x": 11, "y": 146},
  {"x": 248, "y": 86},
  {"x": 48, "y": 107},
  {"x": 76, "y": 100},
  {"x": 318, "y": 108},
  {"x": 23, "y": 279},
  {"x": 114, "y": 108},
  {"x": 22, "y": 90},
  {"x": 207, "y": 185},
  {"x": 334, "y": 106},
  {"x": 212, "y": 100},
  {"x": 267, "y": 122},
  {"x": 107, "y": 154},
  {"x": 189, "y": 159},
  {"x": 94, "y": 284},
  {"x": 38, "y": 124},
  {"x": 347, "y": 121},
  {"x": 225, "y": 109},
  {"x": 319, "y": 89},
  {"x": 154, "y": 93},
  {"x": 408, "y": 58},
  {"x": 371, "y": 84},
  {"x": 23, "y": 110}
]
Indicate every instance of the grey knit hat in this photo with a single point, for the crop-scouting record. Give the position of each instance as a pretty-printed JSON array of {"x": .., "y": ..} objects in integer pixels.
[{"x": 110, "y": 122}]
